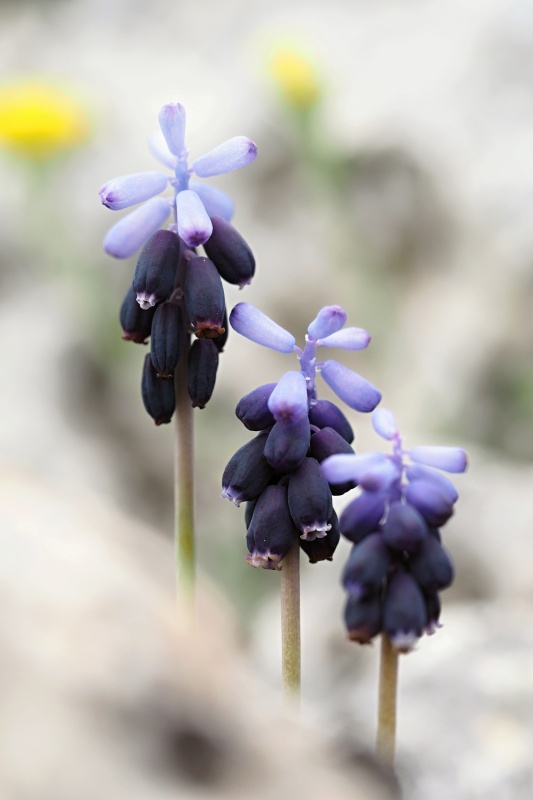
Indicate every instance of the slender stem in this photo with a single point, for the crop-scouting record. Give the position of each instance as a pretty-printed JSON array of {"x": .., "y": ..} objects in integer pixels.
[
  {"x": 184, "y": 485},
  {"x": 388, "y": 683},
  {"x": 290, "y": 622}
]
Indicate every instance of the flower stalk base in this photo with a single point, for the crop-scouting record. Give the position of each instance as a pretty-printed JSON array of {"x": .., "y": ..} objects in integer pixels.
[
  {"x": 388, "y": 684},
  {"x": 290, "y": 623},
  {"x": 184, "y": 487}
]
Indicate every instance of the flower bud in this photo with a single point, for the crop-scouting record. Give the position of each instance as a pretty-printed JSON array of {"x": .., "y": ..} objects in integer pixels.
[
  {"x": 194, "y": 225},
  {"x": 325, "y": 414},
  {"x": 247, "y": 472},
  {"x": 329, "y": 320},
  {"x": 256, "y": 326},
  {"x": 128, "y": 190},
  {"x": 362, "y": 617},
  {"x": 168, "y": 338},
  {"x": 229, "y": 252},
  {"x": 404, "y": 611},
  {"x": 362, "y": 516},
  {"x": 158, "y": 395},
  {"x": 352, "y": 388},
  {"x": 204, "y": 298},
  {"x": 287, "y": 444},
  {"x": 431, "y": 500},
  {"x": 202, "y": 371},
  {"x": 404, "y": 528},
  {"x": 433, "y": 608},
  {"x": 231, "y": 155},
  {"x": 288, "y": 401},
  {"x": 310, "y": 500},
  {"x": 155, "y": 272},
  {"x": 271, "y": 529},
  {"x": 431, "y": 566},
  {"x": 367, "y": 566},
  {"x": 136, "y": 323},
  {"x": 215, "y": 202},
  {"x": 172, "y": 120},
  {"x": 136, "y": 228},
  {"x": 253, "y": 410}
]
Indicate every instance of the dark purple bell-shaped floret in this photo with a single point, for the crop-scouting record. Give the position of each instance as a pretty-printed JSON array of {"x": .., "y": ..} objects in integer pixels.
[
  {"x": 287, "y": 444},
  {"x": 404, "y": 611},
  {"x": 362, "y": 516},
  {"x": 362, "y": 617},
  {"x": 325, "y": 414},
  {"x": 253, "y": 410},
  {"x": 158, "y": 395},
  {"x": 247, "y": 472},
  {"x": 310, "y": 499},
  {"x": 430, "y": 500},
  {"x": 202, "y": 371},
  {"x": 248, "y": 512},
  {"x": 168, "y": 338},
  {"x": 136, "y": 324},
  {"x": 404, "y": 528},
  {"x": 204, "y": 298},
  {"x": 328, "y": 442},
  {"x": 155, "y": 272},
  {"x": 431, "y": 566},
  {"x": 271, "y": 531},
  {"x": 322, "y": 549},
  {"x": 367, "y": 566},
  {"x": 230, "y": 253}
]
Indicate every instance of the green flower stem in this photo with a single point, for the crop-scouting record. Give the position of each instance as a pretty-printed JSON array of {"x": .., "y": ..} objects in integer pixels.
[
  {"x": 290, "y": 622},
  {"x": 388, "y": 684},
  {"x": 184, "y": 485}
]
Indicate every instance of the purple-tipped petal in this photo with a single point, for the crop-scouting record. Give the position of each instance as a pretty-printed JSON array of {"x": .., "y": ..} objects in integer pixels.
[
  {"x": 347, "y": 339},
  {"x": 133, "y": 230},
  {"x": 329, "y": 320},
  {"x": 231, "y": 155},
  {"x": 256, "y": 326},
  {"x": 172, "y": 122},
  {"x": 128, "y": 190},
  {"x": 194, "y": 225},
  {"x": 158, "y": 147},
  {"x": 216, "y": 202},
  {"x": 353, "y": 389},
  {"x": 345, "y": 467},
  {"x": 288, "y": 401},
  {"x": 384, "y": 423},
  {"x": 450, "y": 459}
]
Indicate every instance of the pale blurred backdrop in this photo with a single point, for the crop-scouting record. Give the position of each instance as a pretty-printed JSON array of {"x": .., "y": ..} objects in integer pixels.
[{"x": 394, "y": 177}]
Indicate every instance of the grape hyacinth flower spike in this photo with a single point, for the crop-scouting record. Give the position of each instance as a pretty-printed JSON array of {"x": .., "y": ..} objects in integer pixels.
[
  {"x": 398, "y": 566},
  {"x": 277, "y": 473},
  {"x": 177, "y": 292}
]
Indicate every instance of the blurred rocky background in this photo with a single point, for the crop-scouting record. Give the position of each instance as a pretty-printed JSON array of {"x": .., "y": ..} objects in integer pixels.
[{"x": 397, "y": 182}]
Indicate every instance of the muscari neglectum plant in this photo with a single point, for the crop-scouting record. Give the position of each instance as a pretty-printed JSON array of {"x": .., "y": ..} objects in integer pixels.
[
  {"x": 176, "y": 293},
  {"x": 301, "y": 454}
]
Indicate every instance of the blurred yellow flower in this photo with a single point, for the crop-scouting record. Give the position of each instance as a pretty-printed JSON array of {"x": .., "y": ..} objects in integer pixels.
[
  {"x": 295, "y": 76},
  {"x": 39, "y": 120}
]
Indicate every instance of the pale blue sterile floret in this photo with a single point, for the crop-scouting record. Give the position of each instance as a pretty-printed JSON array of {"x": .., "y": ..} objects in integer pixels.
[
  {"x": 192, "y": 212},
  {"x": 353, "y": 389},
  {"x": 247, "y": 320},
  {"x": 288, "y": 402}
]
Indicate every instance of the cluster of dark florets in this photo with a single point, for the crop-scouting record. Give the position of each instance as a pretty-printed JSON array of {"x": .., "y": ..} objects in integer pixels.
[
  {"x": 397, "y": 566},
  {"x": 176, "y": 292},
  {"x": 278, "y": 472}
]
